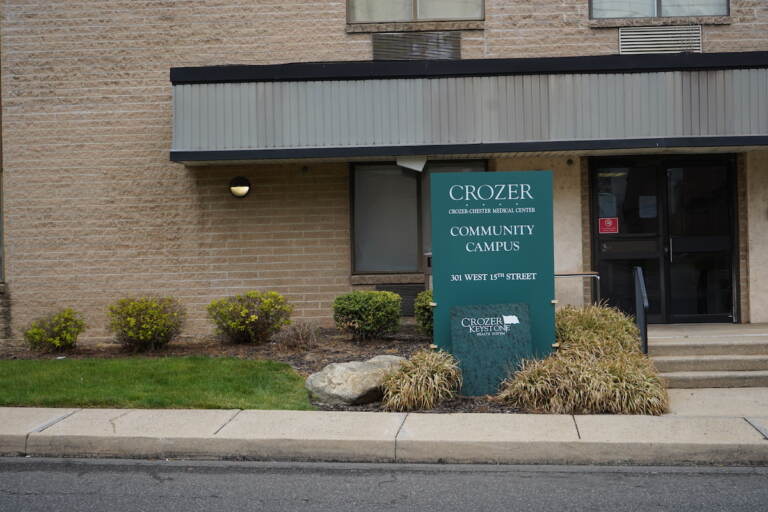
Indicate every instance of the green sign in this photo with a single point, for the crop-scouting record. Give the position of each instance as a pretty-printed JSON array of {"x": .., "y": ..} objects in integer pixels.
[
  {"x": 493, "y": 271},
  {"x": 489, "y": 341}
]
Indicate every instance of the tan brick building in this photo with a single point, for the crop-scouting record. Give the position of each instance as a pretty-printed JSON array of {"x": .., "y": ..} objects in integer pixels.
[{"x": 94, "y": 209}]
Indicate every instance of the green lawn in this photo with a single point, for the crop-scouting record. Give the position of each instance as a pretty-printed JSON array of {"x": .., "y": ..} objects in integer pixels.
[{"x": 142, "y": 382}]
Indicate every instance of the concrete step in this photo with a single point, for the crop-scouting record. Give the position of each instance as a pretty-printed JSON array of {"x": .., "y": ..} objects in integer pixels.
[
  {"x": 708, "y": 347},
  {"x": 712, "y": 379},
  {"x": 711, "y": 363}
]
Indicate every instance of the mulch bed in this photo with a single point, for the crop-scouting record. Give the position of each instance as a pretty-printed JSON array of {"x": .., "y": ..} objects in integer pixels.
[
  {"x": 333, "y": 347},
  {"x": 460, "y": 404}
]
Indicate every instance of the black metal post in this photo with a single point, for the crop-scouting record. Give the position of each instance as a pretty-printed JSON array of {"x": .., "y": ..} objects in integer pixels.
[{"x": 641, "y": 308}]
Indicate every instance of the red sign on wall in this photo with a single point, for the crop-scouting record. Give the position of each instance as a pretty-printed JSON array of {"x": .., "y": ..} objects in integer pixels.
[{"x": 608, "y": 225}]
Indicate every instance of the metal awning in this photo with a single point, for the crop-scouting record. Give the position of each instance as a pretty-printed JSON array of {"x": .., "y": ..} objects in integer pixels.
[{"x": 373, "y": 109}]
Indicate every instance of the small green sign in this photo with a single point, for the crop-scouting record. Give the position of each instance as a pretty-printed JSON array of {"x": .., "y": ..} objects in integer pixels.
[
  {"x": 500, "y": 330},
  {"x": 492, "y": 246}
]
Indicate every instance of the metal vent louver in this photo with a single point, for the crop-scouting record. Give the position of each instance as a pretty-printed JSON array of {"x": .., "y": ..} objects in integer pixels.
[
  {"x": 670, "y": 39},
  {"x": 417, "y": 46},
  {"x": 407, "y": 292}
]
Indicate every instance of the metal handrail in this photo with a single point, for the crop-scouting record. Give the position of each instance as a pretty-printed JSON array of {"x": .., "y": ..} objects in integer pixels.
[
  {"x": 641, "y": 308},
  {"x": 590, "y": 275}
]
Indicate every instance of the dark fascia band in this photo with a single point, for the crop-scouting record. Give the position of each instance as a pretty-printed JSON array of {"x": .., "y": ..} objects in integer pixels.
[
  {"x": 466, "y": 149},
  {"x": 358, "y": 70}
]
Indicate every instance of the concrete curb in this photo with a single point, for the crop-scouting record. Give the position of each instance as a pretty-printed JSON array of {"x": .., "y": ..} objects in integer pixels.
[{"x": 383, "y": 437}]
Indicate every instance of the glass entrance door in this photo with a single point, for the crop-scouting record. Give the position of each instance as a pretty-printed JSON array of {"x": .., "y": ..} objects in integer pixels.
[
  {"x": 674, "y": 217},
  {"x": 700, "y": 241}
]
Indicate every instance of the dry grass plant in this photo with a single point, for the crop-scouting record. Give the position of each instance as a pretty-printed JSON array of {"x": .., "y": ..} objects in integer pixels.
[
  {"x": 599, "y": 369},
  {"x": 598, "y": 329},
  {"x": 300, "y": 336},
  {"x": 422, "y": 382}
]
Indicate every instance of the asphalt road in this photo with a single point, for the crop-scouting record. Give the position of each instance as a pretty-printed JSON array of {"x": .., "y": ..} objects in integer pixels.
[{"x": 54, "y": 485}]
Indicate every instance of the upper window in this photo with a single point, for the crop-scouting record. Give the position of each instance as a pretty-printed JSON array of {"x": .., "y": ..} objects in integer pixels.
[
  {"x": 657, "y": 8},
  {"x": 384, "y": 11}
]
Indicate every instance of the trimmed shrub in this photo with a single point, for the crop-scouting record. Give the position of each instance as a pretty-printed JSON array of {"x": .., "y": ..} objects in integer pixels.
[
  {"x": 366, "y": 314},
  {"x": 299, "y": 336},
  {"x": 423, "y": 311},
  {"x": 55, "y": 332},
  {"x": 146, "y": 323},
  {"x": 422, "y": 382},
  {"x": 251, "y": 317},
  {"x": 598, "y": 369}
]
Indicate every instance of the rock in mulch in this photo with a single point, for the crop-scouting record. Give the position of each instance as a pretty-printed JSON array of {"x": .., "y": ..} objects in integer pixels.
[{"x": 353, "y": 383}]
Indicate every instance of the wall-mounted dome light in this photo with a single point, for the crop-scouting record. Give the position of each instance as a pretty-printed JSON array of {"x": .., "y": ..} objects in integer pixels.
[{"x": 239, "y": 187}]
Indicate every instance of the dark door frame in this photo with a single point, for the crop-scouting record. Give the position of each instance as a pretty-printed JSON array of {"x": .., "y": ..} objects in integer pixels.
[{"x": 660, "y": 161}]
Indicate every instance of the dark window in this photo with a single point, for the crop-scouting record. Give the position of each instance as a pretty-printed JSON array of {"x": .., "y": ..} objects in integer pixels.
[
  {"x": 392, "y": 222},
  {"x": 628, "y": 195},
  {"x": 386, "y": 219}
]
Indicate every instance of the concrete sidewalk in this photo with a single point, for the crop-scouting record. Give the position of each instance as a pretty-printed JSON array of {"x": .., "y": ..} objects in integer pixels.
[
  {"x": 719, "y": 402},
  {"x": 384, "y": 437}
]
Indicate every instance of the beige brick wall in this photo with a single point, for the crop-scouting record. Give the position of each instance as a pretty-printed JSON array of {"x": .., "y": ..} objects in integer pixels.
[
  {"x": 537, "y": 28},
  {"x": 546, "y": 28},
  {"x": 742, "y": 218},
  {"x": 747, "y": 32},
  {"x": 94, "y": 210},
  {"x": 177, "y": 232}
]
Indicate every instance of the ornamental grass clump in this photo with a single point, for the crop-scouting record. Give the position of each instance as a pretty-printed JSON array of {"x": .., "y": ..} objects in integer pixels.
[
  {"x": 422, "y": 382},
  {"x": 56, "y": 332},
  {"x": 422, "y": 308},
  {"x": 252, "y": 317},
  {"x": 598, "y": 329},
  {"x": 146, "y": 323},
  {"x": 298, "y": 337},
  {"x": 598, "y": 369},
  {"x": 366, "y": 314}
]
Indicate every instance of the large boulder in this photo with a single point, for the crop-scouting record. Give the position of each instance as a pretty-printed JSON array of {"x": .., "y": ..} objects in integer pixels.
[{"x": 353, "y": 383}]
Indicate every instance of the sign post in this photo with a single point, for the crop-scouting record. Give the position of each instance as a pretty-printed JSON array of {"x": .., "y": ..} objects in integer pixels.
[{"x": 493, "y": 271}]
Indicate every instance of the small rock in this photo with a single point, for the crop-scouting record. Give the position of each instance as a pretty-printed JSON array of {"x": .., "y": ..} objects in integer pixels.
[{"x": 353, "y": 383}]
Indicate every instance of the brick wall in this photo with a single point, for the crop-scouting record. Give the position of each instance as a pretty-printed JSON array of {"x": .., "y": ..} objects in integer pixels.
[
  {"x": 5, "y": 313},
  {"x": 589, "y": 286},
  {"x": 178, "y": 232},
  {"x": 94, "y": 210},
  {"x": 747, "y": 32},
  {"x": 742, "y": 218},
  {"x": 546, "y": 28}
]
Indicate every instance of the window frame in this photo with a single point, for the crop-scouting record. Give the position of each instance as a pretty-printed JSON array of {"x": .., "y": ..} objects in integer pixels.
[
  {"x": 353, "y": 230},
  {"x": 415, "y": 13},
  {"x": 419, "y": 220},
  {"x": 658, "y": 16}
]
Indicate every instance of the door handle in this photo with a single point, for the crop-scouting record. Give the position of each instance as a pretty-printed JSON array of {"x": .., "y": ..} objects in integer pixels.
[{"x": 671, "y": 251}]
